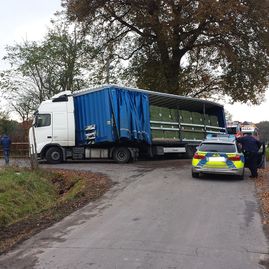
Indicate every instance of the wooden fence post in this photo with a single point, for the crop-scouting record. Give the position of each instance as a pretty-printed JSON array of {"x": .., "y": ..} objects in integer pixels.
[{"x": 33, "y": 152}]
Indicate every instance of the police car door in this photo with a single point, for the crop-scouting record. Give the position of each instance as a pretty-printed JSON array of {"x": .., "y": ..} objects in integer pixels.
[{"x": 262, "y": 157}]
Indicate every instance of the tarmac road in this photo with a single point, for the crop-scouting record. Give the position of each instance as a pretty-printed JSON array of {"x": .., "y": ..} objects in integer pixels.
[{"x": 155, "y": 217}]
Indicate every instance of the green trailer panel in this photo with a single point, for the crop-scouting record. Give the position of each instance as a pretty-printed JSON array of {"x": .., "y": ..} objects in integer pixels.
[{"x": 169, "y": 124}]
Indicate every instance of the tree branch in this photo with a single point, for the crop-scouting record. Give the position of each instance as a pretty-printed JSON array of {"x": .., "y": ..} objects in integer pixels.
[
  {"x": 131, "y": 55},
  {"x": 128, "y": 25}
]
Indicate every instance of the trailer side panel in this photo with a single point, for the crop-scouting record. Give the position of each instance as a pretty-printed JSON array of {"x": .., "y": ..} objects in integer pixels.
[{"x": 112, "y": 115}]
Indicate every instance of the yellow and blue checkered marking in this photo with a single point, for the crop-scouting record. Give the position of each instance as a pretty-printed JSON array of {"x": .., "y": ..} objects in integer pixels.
[{"x": 209, "y": 162}]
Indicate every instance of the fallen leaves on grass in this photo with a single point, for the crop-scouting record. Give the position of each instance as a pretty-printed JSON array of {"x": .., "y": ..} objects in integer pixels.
[{"x": 262, "y": 186}]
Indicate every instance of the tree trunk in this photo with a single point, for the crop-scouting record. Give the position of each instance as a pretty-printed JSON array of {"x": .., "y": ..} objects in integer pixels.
[{"x": 171, "y": 74}]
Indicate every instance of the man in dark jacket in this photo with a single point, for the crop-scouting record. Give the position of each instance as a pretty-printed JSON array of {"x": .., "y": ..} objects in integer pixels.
[
  {"x": 250, "y": 147},
  {"x": 6, "y": 142}
]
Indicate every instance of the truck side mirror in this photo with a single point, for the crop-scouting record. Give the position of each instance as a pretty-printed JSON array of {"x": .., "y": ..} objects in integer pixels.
[{"x": 35, "y": 121}]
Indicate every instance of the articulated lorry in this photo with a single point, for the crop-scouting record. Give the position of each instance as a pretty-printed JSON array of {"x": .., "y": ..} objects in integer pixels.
[{"x": 122, "y": 124}]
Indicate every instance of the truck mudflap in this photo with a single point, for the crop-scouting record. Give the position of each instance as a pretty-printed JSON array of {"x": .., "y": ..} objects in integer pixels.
[{"x": 134, "y": 153}]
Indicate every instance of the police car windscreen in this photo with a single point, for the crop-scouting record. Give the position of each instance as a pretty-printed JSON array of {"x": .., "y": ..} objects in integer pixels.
[{"x": 217, "y": 147}]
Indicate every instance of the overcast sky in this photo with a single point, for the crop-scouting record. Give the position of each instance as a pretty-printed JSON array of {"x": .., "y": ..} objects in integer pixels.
[{"x": 28, "y": 20}]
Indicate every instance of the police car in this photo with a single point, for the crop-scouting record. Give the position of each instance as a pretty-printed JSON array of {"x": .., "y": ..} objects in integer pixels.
[{"x": 218, "y": 155}]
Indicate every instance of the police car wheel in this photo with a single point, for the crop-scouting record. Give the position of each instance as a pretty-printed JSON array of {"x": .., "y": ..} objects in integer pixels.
[{"x": 195, "y": 175}]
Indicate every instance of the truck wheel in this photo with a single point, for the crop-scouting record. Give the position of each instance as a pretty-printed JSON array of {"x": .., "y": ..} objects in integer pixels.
[
  {"x": 121, "y": 155},
  {"x": 54, "y": 155},
  {"x": 190, "y": 150}
]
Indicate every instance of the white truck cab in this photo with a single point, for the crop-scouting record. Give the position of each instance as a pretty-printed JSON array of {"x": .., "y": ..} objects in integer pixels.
[{"x": 54, "y": 125}]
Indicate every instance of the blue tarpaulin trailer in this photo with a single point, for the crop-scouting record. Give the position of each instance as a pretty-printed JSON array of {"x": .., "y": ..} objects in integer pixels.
[
  {"x": 116, "y": 113},
  {"x": 123, "y": 123}
]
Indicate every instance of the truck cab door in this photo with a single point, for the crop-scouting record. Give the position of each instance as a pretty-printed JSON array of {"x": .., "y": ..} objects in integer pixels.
[
  {"x": 60, "y": 128},
  {"x": 262, "y": 157}
]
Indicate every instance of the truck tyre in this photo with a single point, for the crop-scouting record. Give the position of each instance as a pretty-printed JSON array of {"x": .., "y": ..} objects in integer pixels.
[
  {"x": 121, "y": 155},
  {"x": 54, "y": 155},
  {"x": 190, "y": 150}
]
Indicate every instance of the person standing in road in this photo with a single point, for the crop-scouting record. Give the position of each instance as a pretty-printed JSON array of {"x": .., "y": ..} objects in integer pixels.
[
  {"x": 6, "y": 142},
  {"x": 250, "y": 147}
]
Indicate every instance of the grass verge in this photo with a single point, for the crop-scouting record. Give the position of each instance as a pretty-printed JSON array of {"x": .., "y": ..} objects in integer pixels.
[{"x": 33, "y": 200}]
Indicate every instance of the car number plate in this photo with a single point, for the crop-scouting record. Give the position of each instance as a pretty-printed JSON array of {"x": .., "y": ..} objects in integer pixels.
[{"x": 217, "y": 159}]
